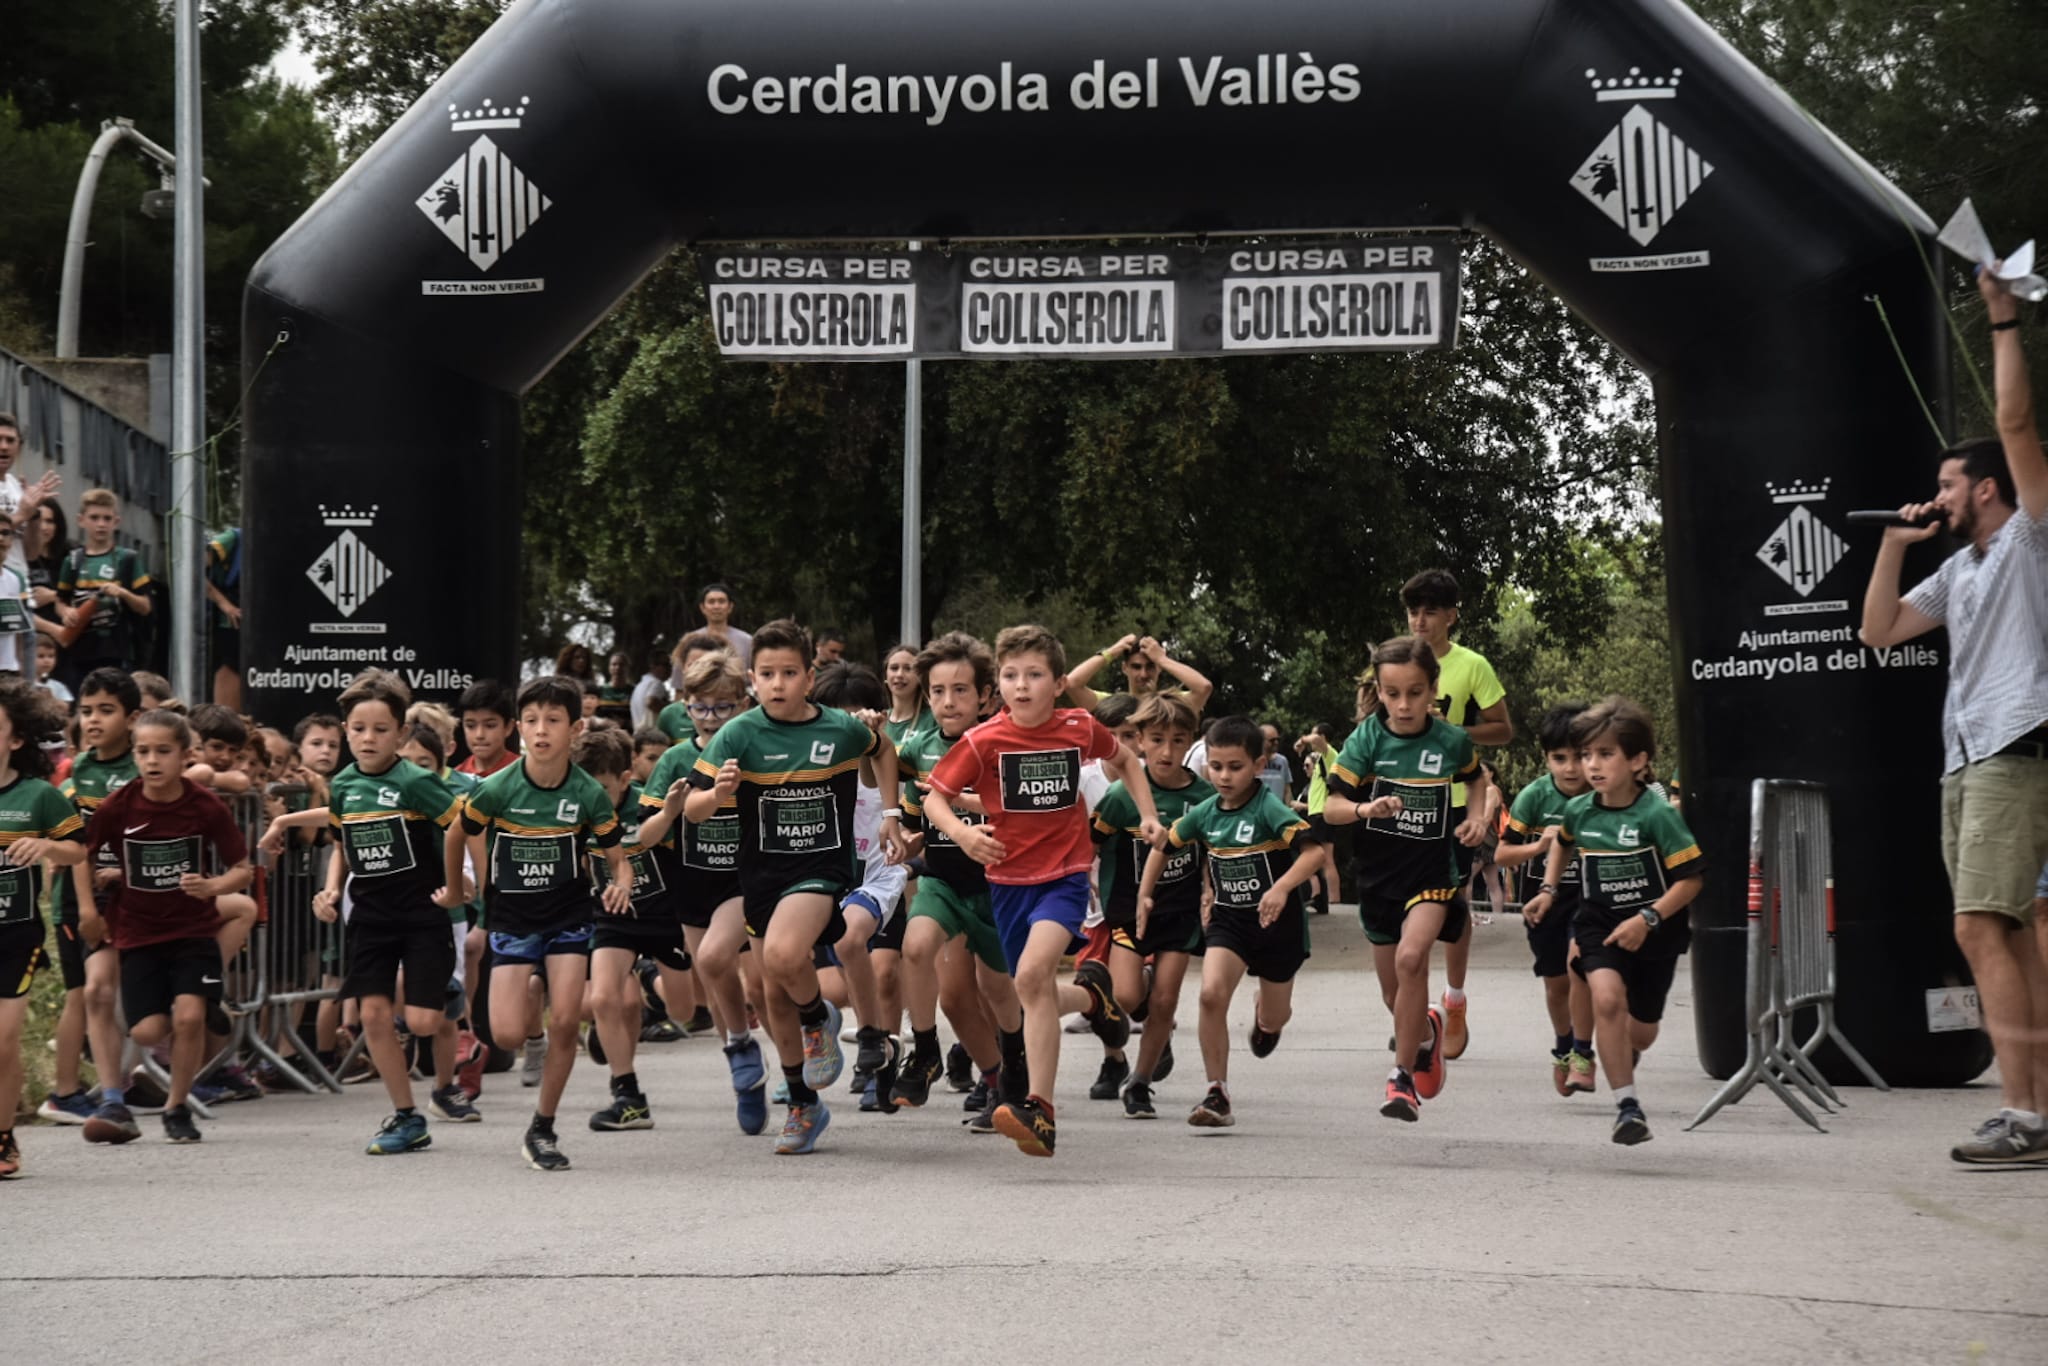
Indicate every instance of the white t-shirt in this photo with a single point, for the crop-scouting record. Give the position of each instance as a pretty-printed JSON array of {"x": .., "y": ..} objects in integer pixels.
[
  {"x": 881, "y": 881},
  {"x": 739, "y": 642},
  {"x": 650, "y": 695},
  {"x": 10, "y": 503},
  {"x": 13, "y": 644}
]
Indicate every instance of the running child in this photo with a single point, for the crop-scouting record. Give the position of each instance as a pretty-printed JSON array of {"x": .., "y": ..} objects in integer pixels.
[
  {"x": 388, "y": 817},
  {"x": 1639, "y": 869},
  {"x": 1026, "y": 767},
  {"x": 161, "y": 830},
  {"x": 1166, "y": 726},
  {"x": 455, "y": 1046},
  {"x": 529, "y": 826},
  {"x": 1526, "y": 845},
  {"x": 1395, "y": 774},
  {"x": 1260, "y": 854},
  {"x": 794, "y": 768},
  {"x": 908, "y": 713},
  {"x": 36, "y": 823}
]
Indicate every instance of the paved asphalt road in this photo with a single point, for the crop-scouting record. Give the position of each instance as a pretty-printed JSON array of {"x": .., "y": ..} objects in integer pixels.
[{"x": 1502, "y": 1227}]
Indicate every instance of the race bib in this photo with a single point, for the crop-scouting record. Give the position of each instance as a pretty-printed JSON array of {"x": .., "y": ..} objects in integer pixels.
[
  {"x": 1241, "y": 879},
  {"x": 1041, "y": 780},
  {"x": 1624, "y": 878},
  {"x": 647, "y": 880},
  {"x": 800, "y": 825},
  {"x": 156, "y": 865},
  {"x": 1180, "y": 863},
  {"x": 713, "y": 845},
  {"x": 533, "y": 863},
  {"x": 1425, "y": 810},
  {"x": 935, "y": 838},
  {"x": 17, "y": 897},
  {"x": 13, "y": 615},
  {"x": 378, "y": 847}
]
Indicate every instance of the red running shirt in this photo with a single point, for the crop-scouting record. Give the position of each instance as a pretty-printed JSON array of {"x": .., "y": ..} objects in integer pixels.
[
  {"x": 1030, "y": 782},
  {"x": 154, "y": 844}
]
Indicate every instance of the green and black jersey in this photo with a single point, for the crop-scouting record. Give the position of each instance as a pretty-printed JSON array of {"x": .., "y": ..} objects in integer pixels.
[
  {"x": 1628, "y": 857},
  {"x": 1538, "y": 807},
  {"x": 92, "y": 781},
  {"x": 30, "y": 809},
  {"x": 706, "y": 853},
  {"x": 1249, "y": 848},
  {"x": 899, "y": 731},
  {"x": 536, "y": 838},
  {"x": 653, "y": 889},
  {"x": 674, "y": 721},
  {"x": 799, "y": 781},
  {"x": 389, "y": 827},
  {"x": 1124, "y": 852},
  {"x": 943, "y": 859},
  {"x": 1407, "y": 853}
]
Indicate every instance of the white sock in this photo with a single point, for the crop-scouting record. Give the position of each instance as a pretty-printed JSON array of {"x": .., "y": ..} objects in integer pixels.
[
  {"x": 1454, "y": 996},
  {"x": 1394, "y": 1074},
  {"x": 1222, "y": 1086},
  {"x": 2031, "y": 1119},
  {"x": 739, "y": 1036},
  {"x": 1624, "y": 1094}
]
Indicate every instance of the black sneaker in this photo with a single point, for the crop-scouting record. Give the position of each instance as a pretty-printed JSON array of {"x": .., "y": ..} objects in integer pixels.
[
  {"x": 914, "y": 1083},
  {"x": 625, "y": 1112},
  {"x": 871, "y": 1049},
  {"x": 959, "y": 1068},
  {"x": 178, "y": 1125},
  {"x": 542, "y": 1153},
  {"x": 1110, "y": 1080},
  {"x": 1027, "y": 1124},
  {"x": 1108, "y": 1020},
  {"x": 1213, "y": 1112},
  {"x": 977, "y": 1097},
  {"x": 862, "y": 1079},
  {"x": 1138, "y": 1101},
  {"x": 1164, "y": 1069},
  {"x": 1264, "y": 1041},
  {"x": 880, "y": 1095},
  {"x": 1630, "y": 1126},
  {"x": 594, "y": 1046},
  {"x": 145, "y": 1092},
  {"x": 699, "y": 1021},
  {"x": 982, "y": 1118}
]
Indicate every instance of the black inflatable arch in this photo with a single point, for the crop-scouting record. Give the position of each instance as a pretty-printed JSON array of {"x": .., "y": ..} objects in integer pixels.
[{"x": 1727, "y": 245}]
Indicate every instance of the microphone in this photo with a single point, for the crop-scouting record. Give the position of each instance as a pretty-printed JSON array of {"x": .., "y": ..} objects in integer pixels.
[{"x": 1890, "y": 517}]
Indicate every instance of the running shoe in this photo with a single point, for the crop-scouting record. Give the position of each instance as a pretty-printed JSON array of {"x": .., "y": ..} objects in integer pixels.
[
  {"x": 208, "y": 1095},
  {"x": 2000, "y": 1140},
  {"x": 1561, "y": 1072},
  {"x": 1430, "y": 1059},
  {"x": 542, "y": 1152},
  {"x": 881, "y": 1092},
  {"x": 699, "y": 1021},
  {"x": 861, "y": 1080},
  {"x": 1456, "y": 1035},
  {"x": 145, "y": 1092},
  {"x": 663, "y": 1030},
  {"x": 959, "y": 1068},
  {"x": 752, "y": 1107},
  {"x": 10, "y": 1156},
  {"x": 1138, "y": 1100},
  {"x": 872, "y": 1047},
  {"x": 744, "y": 1059},
  {"x": 982, "y": 1119},
  {"x": 236, "y": 1084},
  {"x": 977, "y": 1096},
  {"x": 1580, "y": 1065},
  {"x": 1213, "y": 1112},
  {"x": 451, "y": 1104},
  {"x": 780, "y": 1094},
  {"x": 1165, "y": 1067},
  {"x": 178, "y": 1125},
  {"x": 593, "y": 1044},
  {"x": 358, "y": 1069},
  {"x": 803, "y": 1128},
  {"x": 1264, "y": 1040},
  {"x": 532, "y": 1058},
  {"x": 823, "y": 1060},
  {"x": 1028, "y": 1124},
  {"x": 1629, "y": 1124},
  {"x": 1110, "y": 1080},
  {"x": 470, "y": 1056},
  {"x": 400, "y": 1134},
  {"x": 914, "y": 1083},
  {"x": 1402, "y": 1102},
  {"x": 625, "y": 1112},
  {"x": 75, "y": 1108},
  {"x": 1108, "y": 1020},
  {"x": 112, "y": 1124}
]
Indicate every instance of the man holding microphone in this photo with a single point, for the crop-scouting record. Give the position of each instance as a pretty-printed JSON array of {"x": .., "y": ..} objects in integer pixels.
[{"x": 1993, "y": 598}]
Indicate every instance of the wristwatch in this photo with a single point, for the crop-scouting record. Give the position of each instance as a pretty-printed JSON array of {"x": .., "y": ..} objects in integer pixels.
[
  {"x": 1651, "y": 918},
  {"x": 1548, "y": 889}
]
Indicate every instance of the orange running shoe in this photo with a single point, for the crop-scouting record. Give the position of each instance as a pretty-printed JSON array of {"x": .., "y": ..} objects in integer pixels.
[
  {"x": 1581, "y": 1073},
  {"x": 1456, "y": 1036},
  {"x": 1430, "y": 1059}
]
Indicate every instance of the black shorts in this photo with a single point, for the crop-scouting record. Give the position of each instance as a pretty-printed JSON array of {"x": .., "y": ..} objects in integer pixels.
[
  {"x": 424, "y": 946},
  {"x": 226, "y": 647},
  {"x": 699, "y": 895},
  {"x": 759, "y": 906},
  {"x": 661, "y": 940},
  {"x": 1648, "y": 979},
  {"x": 1274, "y": 954},
  {"x": 155, "y": 975},
  {"x": 1167, "y": 932},
  {"x": 72, "y": 952},
  {"x": 1383, "y": 916},
  {"x": 1550, "y": 939},
  {"x": 22, "y": 956},
  {"x": 890, "y": 937}
]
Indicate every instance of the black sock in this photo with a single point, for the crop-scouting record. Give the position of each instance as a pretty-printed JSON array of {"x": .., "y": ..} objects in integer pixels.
[
  {"x": 1563, "y": 1046},
  {"x": 812, "y": 1014},
  {"x": 406, "y": 1112},
  {"x": 926, "y": 1043},
  {"x": 870, "y": 1034},
  {"x": 1012, "y": 1045},
  {"x": 800, "y": 1092},
  {"x": 626, "y": 1084},
  {"x": 1584, "y": 1046},
  {"x": 542, "y": 1124}
]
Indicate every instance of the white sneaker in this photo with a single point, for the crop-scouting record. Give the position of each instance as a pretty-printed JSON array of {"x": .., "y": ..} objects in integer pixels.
[
  {"x": 535, "y": 1056},
  {"x": 1075, "y": 1024}
]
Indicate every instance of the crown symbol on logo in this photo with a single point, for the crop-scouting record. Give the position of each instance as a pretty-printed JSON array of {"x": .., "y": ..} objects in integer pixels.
[
  {"x": 487, "y": 115},
  {"x": 1634, "y": 86},
  {"x": 1798, "y": 491},
  {"x": 347, "y": 515}
]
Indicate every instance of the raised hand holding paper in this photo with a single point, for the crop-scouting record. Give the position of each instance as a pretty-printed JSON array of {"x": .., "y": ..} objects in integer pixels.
[{"x": 1964, "y": 235}]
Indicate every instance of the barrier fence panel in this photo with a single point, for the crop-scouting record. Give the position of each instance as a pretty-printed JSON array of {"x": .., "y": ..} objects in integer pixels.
[{"x": 1791, "y": 960}]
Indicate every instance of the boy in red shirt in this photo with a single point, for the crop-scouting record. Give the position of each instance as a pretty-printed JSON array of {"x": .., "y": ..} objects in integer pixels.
[
  {"x": 158, "y": 830},
  {"x": 1026, "y": 765}
]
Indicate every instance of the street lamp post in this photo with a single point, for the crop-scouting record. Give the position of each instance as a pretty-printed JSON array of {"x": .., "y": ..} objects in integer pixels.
[{"x": 188, "y": 374}]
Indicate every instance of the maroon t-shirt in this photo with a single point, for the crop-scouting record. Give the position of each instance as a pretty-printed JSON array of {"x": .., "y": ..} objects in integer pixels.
[{"x": 154, "y": 844}]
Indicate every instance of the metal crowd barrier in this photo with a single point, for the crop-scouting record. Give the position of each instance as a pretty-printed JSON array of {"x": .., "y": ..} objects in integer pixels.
[{"x": 1791, "y": 952}]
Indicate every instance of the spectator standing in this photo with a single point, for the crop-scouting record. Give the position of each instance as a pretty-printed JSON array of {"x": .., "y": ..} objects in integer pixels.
[
  {"x": 716, "y": 603},
  {"x": 650, "y": 694}
]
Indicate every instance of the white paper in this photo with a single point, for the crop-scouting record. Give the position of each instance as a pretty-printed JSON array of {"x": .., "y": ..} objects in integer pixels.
[{"x": 1964, "y": 235}]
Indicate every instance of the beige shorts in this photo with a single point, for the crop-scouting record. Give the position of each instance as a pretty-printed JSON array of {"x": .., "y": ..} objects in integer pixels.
[{"x": 1994, "y": 834}]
